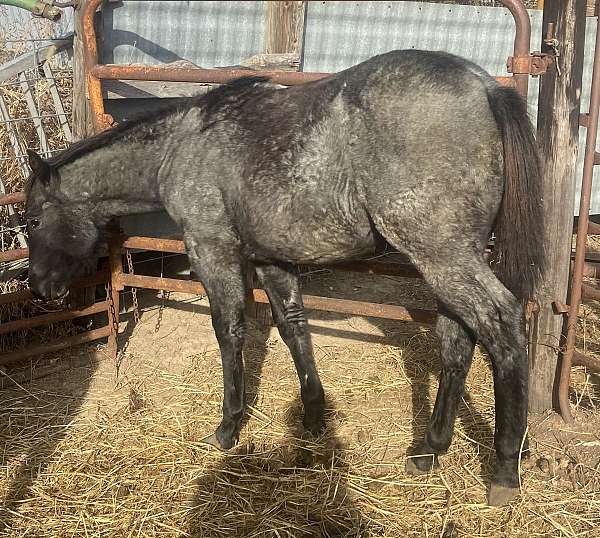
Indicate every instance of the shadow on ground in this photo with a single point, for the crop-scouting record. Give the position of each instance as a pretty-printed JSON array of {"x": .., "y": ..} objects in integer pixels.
[
  {"x": 33, "y": 422},
  {"x": 296, "y": 489}
]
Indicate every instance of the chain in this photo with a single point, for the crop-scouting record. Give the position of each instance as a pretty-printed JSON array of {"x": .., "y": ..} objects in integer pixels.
[
  {"x": 164, "y": 297},
  {"x": 553, "y": 44},
  {"x": 136, "y": 310},
  {"x": 112, "y": 310}
]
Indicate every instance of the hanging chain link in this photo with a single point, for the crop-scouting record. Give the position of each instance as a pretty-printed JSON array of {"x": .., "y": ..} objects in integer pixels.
[
  {"x": 136, "y": 310},
  {"x": 112, "y": 310},
  {"x": 164, "y": 296}
]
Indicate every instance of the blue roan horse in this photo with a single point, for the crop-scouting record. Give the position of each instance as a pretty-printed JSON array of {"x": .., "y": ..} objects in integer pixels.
[{"x": 422, "y": 149}]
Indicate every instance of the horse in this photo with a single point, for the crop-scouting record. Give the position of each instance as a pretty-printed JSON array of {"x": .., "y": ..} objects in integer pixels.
[{"x": 422, "y": 150}]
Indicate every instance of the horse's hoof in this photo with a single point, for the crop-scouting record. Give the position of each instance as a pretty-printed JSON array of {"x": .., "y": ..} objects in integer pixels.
[
  {"x": 213, "y": 441},
  {"x": 419, "y": 465},
  {"x": 501, "y": 495}
]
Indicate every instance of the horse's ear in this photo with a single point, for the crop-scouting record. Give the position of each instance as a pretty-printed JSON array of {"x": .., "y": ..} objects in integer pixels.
[{"x": 38, "y": 166}]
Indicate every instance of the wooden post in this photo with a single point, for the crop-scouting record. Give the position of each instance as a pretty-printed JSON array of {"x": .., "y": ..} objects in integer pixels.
[
  {"x": 81, "y": 126},
  {"x": 285, "y": 27},
  {"x": 558, "y": 136}
]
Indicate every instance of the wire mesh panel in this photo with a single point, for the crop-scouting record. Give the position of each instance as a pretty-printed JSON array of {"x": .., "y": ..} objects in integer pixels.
[{"x": 35, "y": 106}]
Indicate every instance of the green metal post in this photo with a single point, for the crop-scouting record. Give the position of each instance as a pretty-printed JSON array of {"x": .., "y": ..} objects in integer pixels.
[{"x": 39, "y": 8}]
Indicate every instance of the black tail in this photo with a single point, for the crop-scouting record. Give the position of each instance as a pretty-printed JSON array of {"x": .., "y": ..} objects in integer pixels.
[{"x": 518, "y": 257}]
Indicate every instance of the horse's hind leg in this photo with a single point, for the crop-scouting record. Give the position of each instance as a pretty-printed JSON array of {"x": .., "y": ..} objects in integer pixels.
[
  {"x": 283, "y": 290},
  {"x": 456, "y": 349},
  {"x": 474, "y": 295},
  {"x": 452, "y": 264},
  {"x": 220, "y": 271}
]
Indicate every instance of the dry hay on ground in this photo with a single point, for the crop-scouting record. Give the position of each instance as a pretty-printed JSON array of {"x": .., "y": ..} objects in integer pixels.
[{"x": 90, "y": 453}]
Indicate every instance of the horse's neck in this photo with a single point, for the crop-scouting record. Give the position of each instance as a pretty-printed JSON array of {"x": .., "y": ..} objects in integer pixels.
[{"x": 120, "y": 178}]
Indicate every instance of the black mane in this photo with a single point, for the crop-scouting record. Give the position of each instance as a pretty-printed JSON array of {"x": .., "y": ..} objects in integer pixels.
[{"x": 235, "y": 89}]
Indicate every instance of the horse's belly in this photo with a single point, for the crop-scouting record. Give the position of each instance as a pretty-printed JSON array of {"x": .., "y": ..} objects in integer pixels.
[{"x": 302, "y": 243}]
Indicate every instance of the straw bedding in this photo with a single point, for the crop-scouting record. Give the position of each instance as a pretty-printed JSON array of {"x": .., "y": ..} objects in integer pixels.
[
  {"x": 96, "y": 449},
  {"x": 106, "y": 449}
]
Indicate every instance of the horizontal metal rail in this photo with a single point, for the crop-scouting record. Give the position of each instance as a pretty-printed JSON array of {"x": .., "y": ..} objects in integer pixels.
[
  {"x": 52, "y": 317},
  {"x": 63, "y": 343},
  {"x": 165, "y": 73},
  {"x": 176, "y": 246},
  {"x": 20, "y": 296},
  {"x": 12, "y": 198},
  {"x": 311, "y": 302},
  {"x": 14, "y": 254}
]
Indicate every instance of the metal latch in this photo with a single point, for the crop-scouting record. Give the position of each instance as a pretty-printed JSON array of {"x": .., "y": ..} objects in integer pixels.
[{"x": 535, "y": 63}]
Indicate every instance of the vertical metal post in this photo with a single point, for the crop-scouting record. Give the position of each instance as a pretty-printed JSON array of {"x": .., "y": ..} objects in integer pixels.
[{"x": 522, "y": 40}]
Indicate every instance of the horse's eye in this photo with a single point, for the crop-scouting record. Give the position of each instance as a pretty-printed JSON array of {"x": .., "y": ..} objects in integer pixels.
[{"x": 34, "y": 223}]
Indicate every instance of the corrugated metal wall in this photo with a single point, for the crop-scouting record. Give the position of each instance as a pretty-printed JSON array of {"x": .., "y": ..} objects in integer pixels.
[{"x": 207, "y": 34}]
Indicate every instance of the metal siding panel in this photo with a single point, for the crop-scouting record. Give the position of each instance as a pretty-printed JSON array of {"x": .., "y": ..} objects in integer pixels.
[
  {"x": 337, "y": 35},
  {"x": 207, "y": 34}
]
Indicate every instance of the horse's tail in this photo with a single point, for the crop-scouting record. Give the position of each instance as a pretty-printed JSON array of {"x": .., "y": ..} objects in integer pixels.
[{"x": 518, "y": 256}]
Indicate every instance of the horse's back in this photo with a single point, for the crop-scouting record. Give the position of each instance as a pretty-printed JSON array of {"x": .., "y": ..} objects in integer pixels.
[{"x": 405, "y": 133}]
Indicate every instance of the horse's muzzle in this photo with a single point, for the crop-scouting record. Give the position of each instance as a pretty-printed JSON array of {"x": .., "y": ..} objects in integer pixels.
[{"x": 48, "y": 290}]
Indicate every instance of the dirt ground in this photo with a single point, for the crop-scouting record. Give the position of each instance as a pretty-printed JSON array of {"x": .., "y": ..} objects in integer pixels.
[{"x": 115, "y": 450}]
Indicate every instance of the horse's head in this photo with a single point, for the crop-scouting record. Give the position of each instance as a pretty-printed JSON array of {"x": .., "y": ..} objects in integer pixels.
[{"x": 63, "y": 236}]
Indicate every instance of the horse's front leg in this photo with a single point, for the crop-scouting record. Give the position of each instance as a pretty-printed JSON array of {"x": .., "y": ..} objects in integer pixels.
[{"x": 220, "y": 271}]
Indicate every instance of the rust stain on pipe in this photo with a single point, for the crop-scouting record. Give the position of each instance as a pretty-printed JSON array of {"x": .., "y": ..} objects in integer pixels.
[
  {"x": 522, "y": 40},
  {"x": 174, "y": 246},
  {"x": 160, "y": 283},
  {"x": 592, "y": 363},
  {"x": 14, "y": 254},
  {"x": 90, "y": 56},
  {"x": 166, "y": 73},
  {"x": 588, "y": 292}
]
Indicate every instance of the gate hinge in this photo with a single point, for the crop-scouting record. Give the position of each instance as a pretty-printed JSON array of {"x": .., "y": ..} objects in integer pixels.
[{"x": 534, "y": 64}]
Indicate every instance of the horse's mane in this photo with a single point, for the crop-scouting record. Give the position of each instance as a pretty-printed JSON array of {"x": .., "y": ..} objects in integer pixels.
[{"x": 220, "y": 95}]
